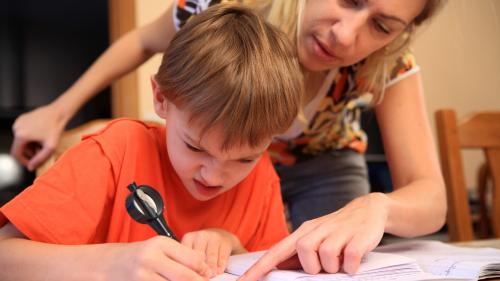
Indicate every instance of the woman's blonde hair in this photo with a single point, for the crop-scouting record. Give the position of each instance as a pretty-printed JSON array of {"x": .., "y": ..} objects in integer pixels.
[
  {"x": 286, "y": 15},
  {"x": 230, "y": 69}
]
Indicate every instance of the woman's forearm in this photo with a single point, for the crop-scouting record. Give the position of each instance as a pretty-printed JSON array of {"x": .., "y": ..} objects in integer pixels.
[
  {"x": 121, "y": 58},
  {"x": 416, "y": 209}
]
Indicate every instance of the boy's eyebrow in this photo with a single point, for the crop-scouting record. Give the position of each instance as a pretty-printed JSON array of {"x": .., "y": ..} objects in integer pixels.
[
  {"x": 253, "y": 156},
  {"x": 191, "y": 140}
]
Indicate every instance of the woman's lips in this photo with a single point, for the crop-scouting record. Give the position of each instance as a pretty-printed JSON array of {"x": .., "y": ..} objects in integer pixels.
[
  {"x": 322, "y": 51},
  {"x": 207, "y": 191}
]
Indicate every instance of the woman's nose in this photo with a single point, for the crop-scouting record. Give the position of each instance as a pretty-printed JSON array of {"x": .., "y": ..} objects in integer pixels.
[{"x": 347, "y": 29}]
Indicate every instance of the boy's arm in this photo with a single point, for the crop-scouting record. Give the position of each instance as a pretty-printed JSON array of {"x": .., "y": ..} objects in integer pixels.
[{"x": 158, "y": 258}]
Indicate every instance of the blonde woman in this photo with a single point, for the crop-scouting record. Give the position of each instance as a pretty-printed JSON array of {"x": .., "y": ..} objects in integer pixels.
[{"x": 349, "y": 50}]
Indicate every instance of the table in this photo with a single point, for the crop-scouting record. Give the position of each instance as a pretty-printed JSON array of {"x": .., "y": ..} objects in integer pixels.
[{"x": 493, "y": 243}]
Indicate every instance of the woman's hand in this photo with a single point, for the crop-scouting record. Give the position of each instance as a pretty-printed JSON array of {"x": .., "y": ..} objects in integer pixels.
[
  {"x": 216, "y": 245},
  {"x": 332, "y": 242},
  {"x": 36, "y": 135},
  {"x": 155, "y": 259}
]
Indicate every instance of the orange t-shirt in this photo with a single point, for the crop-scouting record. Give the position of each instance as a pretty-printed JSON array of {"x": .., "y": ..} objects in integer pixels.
[{"x": 81, "y": 199}]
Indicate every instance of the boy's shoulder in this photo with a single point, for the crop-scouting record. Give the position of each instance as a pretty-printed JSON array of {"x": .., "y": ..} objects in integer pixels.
[
  {"x": 125, "y": 126},
  {"x": 123, "y": 134}
]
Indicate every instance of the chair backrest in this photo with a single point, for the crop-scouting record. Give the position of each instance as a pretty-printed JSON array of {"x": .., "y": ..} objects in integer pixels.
[
  {"x": 481, "y": 130},
  {"x": 70, "y": 138}
]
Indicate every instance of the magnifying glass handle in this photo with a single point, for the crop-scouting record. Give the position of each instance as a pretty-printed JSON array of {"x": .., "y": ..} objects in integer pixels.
[{"x": 160, "y": 226}]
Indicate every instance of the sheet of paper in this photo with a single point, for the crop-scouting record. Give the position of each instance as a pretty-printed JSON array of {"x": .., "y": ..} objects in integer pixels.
[
  {"x": 446, "y": 260},
  {"x": 374, "y": 266},
  {"x": 225, "y": 277},
  {"x": 407, "y": 261}
]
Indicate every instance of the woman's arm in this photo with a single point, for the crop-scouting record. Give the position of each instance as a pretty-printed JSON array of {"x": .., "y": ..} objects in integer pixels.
[
  {"x": 43, "y": 126},
  {"x": 418, "y": 204},
  {"x": 159, "y": 258}
]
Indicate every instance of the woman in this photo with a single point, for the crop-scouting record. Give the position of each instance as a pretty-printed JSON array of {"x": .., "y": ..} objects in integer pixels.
[{"x": 347, "y": 48}]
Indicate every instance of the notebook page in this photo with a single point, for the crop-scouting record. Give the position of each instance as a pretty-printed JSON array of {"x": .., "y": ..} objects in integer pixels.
[
  {"x": 225, "y": 277},
  {"x": 446, "y": 261},
  {"x": 374, "y": 266}
]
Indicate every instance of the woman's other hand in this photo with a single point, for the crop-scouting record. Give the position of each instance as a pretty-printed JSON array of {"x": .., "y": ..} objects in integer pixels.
[{"x": 36, "y": 135}]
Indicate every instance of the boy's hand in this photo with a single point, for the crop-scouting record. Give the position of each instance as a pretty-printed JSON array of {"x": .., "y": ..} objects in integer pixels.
[
  {"x": 158, "y": 258},
  {"x": 216, "y": 245}
]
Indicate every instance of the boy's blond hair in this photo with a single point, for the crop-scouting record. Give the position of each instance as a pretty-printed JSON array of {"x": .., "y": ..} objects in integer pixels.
[{"x": 230, "y": 69}]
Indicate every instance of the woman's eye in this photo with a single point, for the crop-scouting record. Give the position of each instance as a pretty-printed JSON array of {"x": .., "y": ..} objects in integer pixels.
[
  {"x": 381, "y": 27},
  {"x": 192, "y": 148},
  {"x": 353, "y": 3}
]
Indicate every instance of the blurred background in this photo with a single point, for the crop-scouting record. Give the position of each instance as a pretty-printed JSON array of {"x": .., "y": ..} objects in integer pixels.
[{"x": 44, "y": 48}]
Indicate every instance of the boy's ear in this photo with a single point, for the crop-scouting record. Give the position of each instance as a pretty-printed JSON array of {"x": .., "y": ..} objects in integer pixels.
[{"x": 159, "y": 100}]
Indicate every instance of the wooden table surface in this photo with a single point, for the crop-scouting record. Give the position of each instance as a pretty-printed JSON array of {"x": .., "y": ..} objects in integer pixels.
[{"x": 493, "y": 243}]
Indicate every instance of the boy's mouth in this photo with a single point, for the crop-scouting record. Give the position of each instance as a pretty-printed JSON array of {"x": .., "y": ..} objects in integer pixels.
[{"x": 206, "y": 190}]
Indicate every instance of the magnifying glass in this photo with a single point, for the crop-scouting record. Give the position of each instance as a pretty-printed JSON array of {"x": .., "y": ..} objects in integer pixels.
[{"x": 145, "y": 205}]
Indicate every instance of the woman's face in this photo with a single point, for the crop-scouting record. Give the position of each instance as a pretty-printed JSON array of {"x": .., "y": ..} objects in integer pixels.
[{"x": 336, "y": 33}]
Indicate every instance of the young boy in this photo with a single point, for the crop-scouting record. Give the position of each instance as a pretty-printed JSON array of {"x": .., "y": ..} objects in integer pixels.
[{"x": 227, "y": 84}]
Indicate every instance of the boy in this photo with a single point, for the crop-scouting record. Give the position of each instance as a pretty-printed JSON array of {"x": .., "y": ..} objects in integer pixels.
[{"x": 227, "y": 84}]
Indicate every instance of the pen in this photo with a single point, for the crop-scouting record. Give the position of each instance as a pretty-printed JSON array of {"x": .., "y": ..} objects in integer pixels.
[{"x": 145, "y": 205}]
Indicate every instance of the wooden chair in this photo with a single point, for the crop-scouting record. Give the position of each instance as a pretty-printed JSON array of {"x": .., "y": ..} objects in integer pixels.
[
  {"x": 479, "y": 131},
  {"x": 68, "y": 139}
]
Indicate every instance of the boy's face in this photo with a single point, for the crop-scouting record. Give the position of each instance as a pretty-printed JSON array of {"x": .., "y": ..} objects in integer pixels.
[{"x": 205, "y": 170}]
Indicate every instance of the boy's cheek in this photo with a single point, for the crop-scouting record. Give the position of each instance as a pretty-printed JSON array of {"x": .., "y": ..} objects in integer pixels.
[{"x": 240, "y": 173}]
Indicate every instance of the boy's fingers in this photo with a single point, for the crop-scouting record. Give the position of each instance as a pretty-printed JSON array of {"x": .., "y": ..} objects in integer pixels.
[
  {"x": 190, "y": 258},
  {"x": 212, "y": 255},
  {"x": 200, "y": 243},
  {"x": 224, "y": 253},
  {"x": 187, "y": 241},
  {"x": 173, "y": 270}
]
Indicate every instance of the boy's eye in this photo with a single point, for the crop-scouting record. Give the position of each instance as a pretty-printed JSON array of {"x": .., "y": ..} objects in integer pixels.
[
  {"x": 246, "y": 161},
  {"x": 192, "y": 148}
]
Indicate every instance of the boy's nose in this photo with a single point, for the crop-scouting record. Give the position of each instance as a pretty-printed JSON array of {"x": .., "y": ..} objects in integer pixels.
[{"x": 212, "y": 175}]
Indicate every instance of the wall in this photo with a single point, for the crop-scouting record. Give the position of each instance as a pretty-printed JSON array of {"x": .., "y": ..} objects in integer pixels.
[
  {"x": 460, "y": 58},
  {"x": 145, "y": 12}
]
